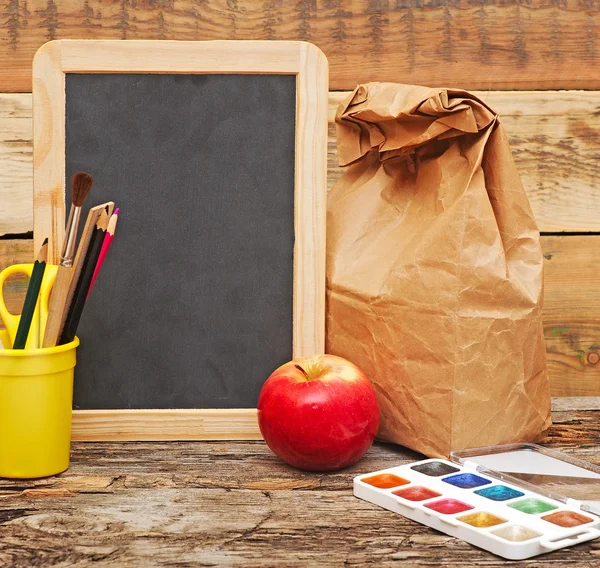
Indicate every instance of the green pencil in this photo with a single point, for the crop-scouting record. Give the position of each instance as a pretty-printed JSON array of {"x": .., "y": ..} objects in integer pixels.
[{"x": 31, "y": 298}]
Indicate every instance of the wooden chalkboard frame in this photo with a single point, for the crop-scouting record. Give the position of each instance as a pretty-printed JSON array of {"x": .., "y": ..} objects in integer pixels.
[{"x": 57, "y": 58}]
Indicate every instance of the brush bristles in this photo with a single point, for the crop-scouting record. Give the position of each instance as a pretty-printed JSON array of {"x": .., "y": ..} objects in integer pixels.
[{"x": 81, "y": 184}]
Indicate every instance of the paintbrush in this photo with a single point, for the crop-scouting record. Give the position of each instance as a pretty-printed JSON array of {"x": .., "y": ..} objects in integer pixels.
[{"x": 81, "y": 184}]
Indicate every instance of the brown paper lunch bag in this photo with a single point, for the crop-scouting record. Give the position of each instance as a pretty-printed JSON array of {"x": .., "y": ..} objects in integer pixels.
[{"x": 434, "y": 270}]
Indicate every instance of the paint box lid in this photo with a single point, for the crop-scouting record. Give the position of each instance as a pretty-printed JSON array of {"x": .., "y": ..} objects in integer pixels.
[{"x": 548, "y": 472}]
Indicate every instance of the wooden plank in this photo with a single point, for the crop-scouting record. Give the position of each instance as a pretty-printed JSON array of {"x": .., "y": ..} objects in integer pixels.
[
  {"x": 166, "y": 424},
  {"x": 555, "y": 137},
  {"x": 310, "y": 199},
  {"x": 489, "y": 45},
  {"x": 572, "y": 314},
  {"x": 568, "y": 404},
  {"x": 16, "y": 164},
  {"x": 571, "y": 310},
  {"x": 236, "y": 504}
]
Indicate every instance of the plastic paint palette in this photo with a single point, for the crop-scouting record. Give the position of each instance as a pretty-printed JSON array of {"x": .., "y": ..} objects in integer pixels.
[{"x": 494, "y": 510}]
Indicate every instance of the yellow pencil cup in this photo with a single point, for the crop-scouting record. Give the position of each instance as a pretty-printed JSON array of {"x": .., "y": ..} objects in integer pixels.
[{"x": 36, "y": 401}]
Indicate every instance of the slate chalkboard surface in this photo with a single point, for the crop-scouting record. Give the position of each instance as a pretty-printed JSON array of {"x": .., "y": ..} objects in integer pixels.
[
  {"x": 194, "y": 305},
  {"x": 215, "y": 153}
]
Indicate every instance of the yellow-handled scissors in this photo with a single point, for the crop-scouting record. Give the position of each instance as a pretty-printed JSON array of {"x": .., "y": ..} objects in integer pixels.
[{"x": 40, "y": 315}]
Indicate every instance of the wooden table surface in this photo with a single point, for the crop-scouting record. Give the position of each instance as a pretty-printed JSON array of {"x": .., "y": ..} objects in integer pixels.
[{"x": 235, "y": 503}]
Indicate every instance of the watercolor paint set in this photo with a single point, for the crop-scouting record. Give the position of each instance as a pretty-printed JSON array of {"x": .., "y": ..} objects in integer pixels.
[{"x": 517, "y": 500}]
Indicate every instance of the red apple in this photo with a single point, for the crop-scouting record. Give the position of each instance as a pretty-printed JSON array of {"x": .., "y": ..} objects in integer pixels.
[{"x": 319, "y": 413}]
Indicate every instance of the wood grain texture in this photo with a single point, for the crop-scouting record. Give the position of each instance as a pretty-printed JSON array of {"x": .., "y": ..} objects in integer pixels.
[
  {"x": 310, "y": 202},
  {"x": 301, "y": 59},
  {"x": 49, "y": 185},
  {"x": 566, "y": 404},
  {"x": 572, "y": 314},
  {"x": 571, "y": 308},
  {"x": 158, "y": 425},
  {"x": 16, "y": 160},
  {"x": 236, "y": 504},
  {"x": 555, "y": 138},
  {"x": 491, "y": 45}
]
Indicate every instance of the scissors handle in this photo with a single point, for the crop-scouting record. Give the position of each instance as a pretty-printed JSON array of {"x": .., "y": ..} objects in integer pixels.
[
  {"x": 40, "y": 315},
  {"x": 11, "y": 321}
]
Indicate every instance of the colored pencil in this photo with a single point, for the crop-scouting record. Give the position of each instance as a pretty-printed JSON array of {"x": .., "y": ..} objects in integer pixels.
[
  {"x": 83, "y": 284},
  {"x": 81, "y": 184},
  {"x": 110, "y": 233},
  {"x": 31, "y": 297}
]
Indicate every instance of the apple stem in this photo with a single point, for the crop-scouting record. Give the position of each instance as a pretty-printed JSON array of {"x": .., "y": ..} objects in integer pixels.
[{"x": 303, "y": 371}]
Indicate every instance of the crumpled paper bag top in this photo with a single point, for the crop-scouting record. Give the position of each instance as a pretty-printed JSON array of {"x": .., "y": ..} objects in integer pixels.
[
  {"x": 398, "y": 122},
  {"x": 434, "y": 270}
]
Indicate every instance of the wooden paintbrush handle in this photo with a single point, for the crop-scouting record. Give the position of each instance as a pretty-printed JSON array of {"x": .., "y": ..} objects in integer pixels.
[
  {"x": 57, "y": 308},
  {"x": 68, "y": 252}
]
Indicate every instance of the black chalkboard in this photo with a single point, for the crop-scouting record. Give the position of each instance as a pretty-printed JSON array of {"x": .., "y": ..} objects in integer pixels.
[{"x": 193, "y": 307}]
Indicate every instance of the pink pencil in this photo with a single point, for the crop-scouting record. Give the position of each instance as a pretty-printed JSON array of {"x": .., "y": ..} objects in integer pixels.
[{"x": 110, "y": 233}]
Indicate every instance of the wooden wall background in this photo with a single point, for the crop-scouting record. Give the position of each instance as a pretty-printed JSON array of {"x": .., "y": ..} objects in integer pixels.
[{"x": 529, "y": 57}]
